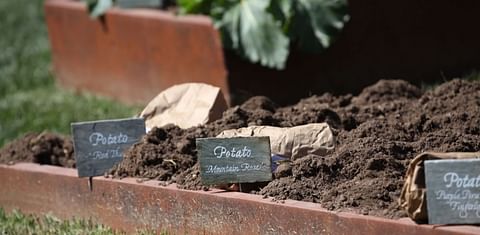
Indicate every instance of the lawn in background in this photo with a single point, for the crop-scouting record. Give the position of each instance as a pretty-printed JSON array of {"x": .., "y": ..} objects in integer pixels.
[
  {"x": 19, "y": 223},
  {"x": 29, "y": 99}
]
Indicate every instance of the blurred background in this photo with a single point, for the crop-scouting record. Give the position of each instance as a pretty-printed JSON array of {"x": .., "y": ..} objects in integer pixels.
[
  {"x": 29, "y": 99},
  {"x": 124, "y": 57}
]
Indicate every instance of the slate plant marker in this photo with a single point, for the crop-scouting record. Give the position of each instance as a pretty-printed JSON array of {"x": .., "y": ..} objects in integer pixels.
[
  {"x": 234, "y": 160},
  {"x": 99, "y": 145},
  {"x": 453, "y": 191}
]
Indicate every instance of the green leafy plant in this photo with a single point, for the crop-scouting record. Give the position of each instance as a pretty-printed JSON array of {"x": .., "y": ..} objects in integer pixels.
[
  {"x": 98, "y": 7},
  {"x": 263, "y": 31}
]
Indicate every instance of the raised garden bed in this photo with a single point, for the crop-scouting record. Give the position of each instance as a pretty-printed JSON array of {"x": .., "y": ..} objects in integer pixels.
[
  {"x": 378, "y": 133},
  {"x": 129, "y": 205}
]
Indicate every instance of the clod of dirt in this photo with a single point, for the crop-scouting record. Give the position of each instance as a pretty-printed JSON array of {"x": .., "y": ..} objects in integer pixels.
[
  {"x": 283, "y": 169},
  {"x": 44, "y": 148}
]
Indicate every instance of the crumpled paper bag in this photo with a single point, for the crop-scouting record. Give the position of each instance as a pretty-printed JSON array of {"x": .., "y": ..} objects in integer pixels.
[
  {"x": 413, "y": 198},
  {"x": 291, "y": 142},
  {"x": 186, "y": 105}
]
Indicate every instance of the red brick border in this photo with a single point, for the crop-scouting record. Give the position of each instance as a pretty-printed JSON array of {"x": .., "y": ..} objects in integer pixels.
[
  {"x": 126, "y": 204},
  {"x": 133, "y": 54}
]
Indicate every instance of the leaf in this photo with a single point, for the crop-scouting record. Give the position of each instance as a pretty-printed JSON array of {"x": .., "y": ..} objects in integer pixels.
[
  {"x": 281, "y": 9},
  {"x": 317, "y": 22},
  {"x": 90, "y": 5},
  {"x": 252, "y": 29},
  {"x": 99, "y": 8},
  {"x": 258, "y": 29},
  {"x": 213, "y": 8},
  {"x": 190, "y": 6},
  {"x": 230, "y": 27}
]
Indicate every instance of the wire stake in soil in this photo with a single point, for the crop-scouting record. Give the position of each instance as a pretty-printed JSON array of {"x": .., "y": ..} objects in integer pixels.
[{"x": 90, "y": 183}]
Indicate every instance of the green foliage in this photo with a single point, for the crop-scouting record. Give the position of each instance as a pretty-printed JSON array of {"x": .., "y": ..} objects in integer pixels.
[
  {"x": 255, "y": 33},
  {"x": 98, "y": 7},
  {"x": 316, "y": 22},
  {"x": 264, "y": 30},
  {"x": 197, "y": 6}
]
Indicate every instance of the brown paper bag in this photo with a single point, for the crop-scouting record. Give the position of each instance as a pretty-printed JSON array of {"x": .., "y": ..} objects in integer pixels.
[
  {"x": 291, "y": 142},
  {"x": 186, "y": 105},
  {"x": 413, "y": 198}
]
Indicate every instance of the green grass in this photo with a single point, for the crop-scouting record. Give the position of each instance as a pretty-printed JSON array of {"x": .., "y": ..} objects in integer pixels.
[
  {"x": 24, "y": 47},
  {"x": 48, "y": 108},
  {"x": 29, "y": 99},
  {"x": 19, "y": 223}
]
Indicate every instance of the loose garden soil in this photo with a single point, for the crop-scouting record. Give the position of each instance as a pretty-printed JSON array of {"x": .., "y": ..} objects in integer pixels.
[
  {"x": 378, "y": 133},
  {"x": 44, "y": 148}
]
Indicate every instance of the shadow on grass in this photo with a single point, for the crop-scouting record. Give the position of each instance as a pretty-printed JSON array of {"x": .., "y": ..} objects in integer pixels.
[{"x": 52, "y": 109}]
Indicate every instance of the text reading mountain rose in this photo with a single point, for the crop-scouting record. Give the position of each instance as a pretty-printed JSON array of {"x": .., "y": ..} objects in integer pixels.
[{"x": 234, "y": 160}]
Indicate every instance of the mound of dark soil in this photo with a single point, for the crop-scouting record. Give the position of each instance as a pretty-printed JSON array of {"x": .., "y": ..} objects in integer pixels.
[
  {"x": 379, "y": 131},
  {"x": 44, "y": 148},
  {"x": 383, "y": 128}
]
